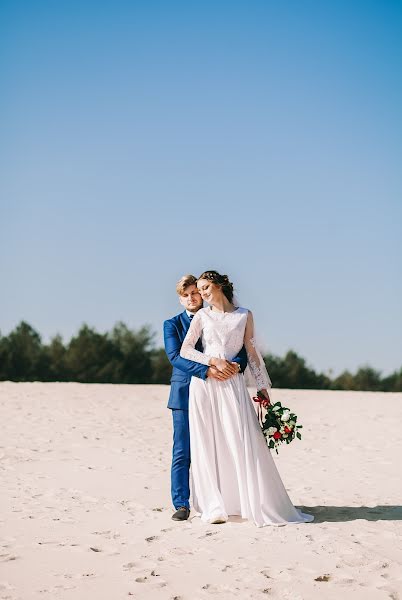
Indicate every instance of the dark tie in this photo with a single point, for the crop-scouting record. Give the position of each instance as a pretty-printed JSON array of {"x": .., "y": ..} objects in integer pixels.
[{"x": 190, "y": 317}]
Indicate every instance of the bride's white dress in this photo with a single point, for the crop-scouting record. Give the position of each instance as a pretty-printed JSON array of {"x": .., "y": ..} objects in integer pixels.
[{"x": 233, "y": 472}]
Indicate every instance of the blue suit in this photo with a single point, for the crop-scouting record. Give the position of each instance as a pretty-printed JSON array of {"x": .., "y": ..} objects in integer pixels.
[{"x": 174, "y": 332}]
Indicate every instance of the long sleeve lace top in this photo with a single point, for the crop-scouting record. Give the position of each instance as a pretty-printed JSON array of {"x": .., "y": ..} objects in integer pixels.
[{"x": 222, "y": 336}]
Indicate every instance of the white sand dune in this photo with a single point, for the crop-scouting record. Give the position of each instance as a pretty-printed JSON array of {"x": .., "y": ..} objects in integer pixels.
[{"x": 85, "y": 502}]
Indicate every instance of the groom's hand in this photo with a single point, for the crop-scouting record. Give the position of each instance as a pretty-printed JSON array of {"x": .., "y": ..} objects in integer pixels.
[
  {"x": 214, "y": 373},
  {"x": 224, "y": 366}
]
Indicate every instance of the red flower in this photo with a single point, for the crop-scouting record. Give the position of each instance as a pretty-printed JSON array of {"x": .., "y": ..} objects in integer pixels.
[
  {"x": 287, "y": 430},
  {"x": 277, "y": 435}
]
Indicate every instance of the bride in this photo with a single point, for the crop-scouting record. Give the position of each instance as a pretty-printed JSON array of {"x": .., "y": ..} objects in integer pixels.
[{"x": 233, "y": 472}]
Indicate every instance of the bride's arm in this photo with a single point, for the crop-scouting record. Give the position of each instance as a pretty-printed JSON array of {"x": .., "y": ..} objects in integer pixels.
[
  {"x": 255, "y": 360},
  {"x": 188, "y": 349},
  {"x": 188, "y": 346}
]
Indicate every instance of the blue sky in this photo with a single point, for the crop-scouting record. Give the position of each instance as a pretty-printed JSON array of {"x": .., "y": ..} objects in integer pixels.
[{"x": 143, "y": 140}]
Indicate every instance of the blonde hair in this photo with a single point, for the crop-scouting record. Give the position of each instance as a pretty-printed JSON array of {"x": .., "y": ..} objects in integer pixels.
[{"x": 184, "y": 282}]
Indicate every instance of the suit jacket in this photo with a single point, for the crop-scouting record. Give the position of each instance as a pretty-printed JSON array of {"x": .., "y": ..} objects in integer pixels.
[{"x": 174, "y": 332}]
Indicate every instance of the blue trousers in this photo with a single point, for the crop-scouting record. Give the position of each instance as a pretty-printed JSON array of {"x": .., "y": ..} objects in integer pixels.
[{"x": 180, "y": 471}]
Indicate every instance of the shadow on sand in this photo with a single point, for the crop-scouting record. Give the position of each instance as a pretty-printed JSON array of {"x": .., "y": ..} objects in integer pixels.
[{"x": 352, "y": 513}]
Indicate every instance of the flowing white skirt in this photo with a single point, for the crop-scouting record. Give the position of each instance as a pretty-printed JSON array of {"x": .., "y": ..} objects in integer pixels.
[{"x": 233, "y": 472}]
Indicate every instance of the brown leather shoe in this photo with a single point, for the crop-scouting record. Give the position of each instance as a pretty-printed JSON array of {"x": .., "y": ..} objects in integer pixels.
[{"x": 181, "y": 514}]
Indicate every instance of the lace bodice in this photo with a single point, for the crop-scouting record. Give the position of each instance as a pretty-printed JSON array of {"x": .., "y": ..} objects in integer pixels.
[{"x": 223, "y": 335}]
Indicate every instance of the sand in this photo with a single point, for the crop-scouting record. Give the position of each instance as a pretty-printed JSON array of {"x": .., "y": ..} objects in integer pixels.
[{"x": 85, "y": 509}]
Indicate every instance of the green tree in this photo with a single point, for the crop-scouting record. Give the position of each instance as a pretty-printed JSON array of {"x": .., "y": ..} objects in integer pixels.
[
  {"x": 91, "y": 357},
  {"x": 344, "y": 381},
  {"x": 134, "y": 351},
  {"x": 367, "y": 379},
  {"x": 392, "y": 383},
  {"x": 4, "y": 359},
  {"x": 161, "y": 367},
  {"x": 23, "y": 354},
  {"x": 55, "y": 354},
  {"x": 292, "y": 372}
]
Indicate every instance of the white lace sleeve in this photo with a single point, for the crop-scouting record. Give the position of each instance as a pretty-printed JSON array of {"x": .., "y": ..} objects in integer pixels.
[
  {"x": 188, "y": 347},
  {"x": 254, "y": 358}
]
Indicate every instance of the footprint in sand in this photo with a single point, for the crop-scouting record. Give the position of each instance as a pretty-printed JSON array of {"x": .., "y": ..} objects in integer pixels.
[
  {"x": 5, "y": 586},
  {"x": 8, "y": 557},
  {"x": 223, "y": 591},
  {"x": 146, "y": 579},
  {"x": 180, "y": 551},
  {"x": 207, "y": 534},
  {"x": 325, "y": 577},
  {"x": 392, "y": 592},
  {"x": 265, "y": 573}
]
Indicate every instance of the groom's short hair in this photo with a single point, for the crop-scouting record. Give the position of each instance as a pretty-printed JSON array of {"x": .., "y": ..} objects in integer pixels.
[{"x": 184, "y": 282}]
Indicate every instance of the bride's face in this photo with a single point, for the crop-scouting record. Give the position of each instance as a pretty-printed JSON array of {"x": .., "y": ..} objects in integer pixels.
[{"x": 210, "y": 292}]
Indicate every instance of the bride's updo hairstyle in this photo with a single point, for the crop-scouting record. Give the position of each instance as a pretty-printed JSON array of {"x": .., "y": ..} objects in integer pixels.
[{"x": 221, "y": 280}]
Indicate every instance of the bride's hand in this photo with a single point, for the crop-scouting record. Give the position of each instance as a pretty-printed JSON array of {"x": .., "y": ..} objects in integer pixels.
[
  {"x": 225, "y": 366},
  {"x": 264, "y": 393}
]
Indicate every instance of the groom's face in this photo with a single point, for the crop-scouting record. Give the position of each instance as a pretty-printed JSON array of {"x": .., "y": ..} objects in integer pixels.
[{"x": 191, "y": 298}]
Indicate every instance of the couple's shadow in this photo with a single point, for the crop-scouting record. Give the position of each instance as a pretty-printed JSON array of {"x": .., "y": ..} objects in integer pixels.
[{"x": 336, "y": 514}]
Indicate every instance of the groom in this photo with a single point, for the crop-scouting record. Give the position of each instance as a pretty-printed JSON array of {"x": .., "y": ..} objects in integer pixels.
[{"x": 174, "y": 331}]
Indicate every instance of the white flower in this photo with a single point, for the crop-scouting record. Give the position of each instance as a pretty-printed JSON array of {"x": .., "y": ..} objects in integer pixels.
[
  {"x": 292, "y": 423},
  {"x": 286, "y": 416},
  {"x": 271, "y": 430}
]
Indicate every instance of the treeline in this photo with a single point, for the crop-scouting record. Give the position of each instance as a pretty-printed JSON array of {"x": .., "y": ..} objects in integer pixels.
[{"x": 126, "y": 356}]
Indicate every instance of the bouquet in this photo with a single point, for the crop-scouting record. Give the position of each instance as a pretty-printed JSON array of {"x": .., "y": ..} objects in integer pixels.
[{"x": 279, "y": 424}]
